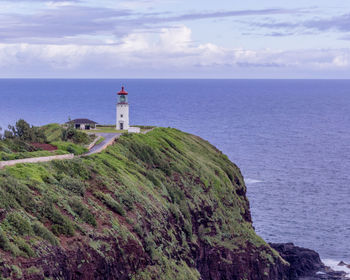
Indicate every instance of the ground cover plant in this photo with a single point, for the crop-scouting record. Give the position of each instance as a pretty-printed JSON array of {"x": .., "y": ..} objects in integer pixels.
[
  {"x": 146, "y": 208},
  {"x": 24, "y": 141}
]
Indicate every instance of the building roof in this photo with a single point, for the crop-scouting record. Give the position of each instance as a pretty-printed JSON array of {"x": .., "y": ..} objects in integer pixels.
[
  {"x": 82, "y": 121},
  {"x": 122, "y": 92}
]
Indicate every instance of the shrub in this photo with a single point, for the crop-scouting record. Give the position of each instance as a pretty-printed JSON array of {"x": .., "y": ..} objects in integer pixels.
[
  {"x": 188, "y": 229},
  {"x": 83, "y": 212},
  {"x": 61, "y": 224},
  {"x": 151, "y": 246},
  {"x": 65, "y": 229},
  {"x": 74, "y": 185},
  {"x": 4, "y": 241},
  {"x": 127, "y": 200},
  {"x": 111, "y": 203},
  {"x": 52, "y": 132},
  {"x": 44, "y": 233},
  {"x": 24, "y": 247},
  {"x": 20, "y": 225},
  {"x": 80, "y": 137},
  {"x": 70, "y": 147},
  {"x": 138, "y": 230}
]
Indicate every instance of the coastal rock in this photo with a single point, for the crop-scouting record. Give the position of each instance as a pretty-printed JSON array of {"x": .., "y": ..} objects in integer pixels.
[
  {"x": 342, "y": 263},
  {"x": 305, "y": 264}
]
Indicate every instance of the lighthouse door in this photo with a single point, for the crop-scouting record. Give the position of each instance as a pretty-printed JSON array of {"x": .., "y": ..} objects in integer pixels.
[{"x": 121, "y": 126}]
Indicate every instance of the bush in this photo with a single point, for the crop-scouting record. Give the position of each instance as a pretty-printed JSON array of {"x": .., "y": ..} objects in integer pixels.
[
  {"x": 65, "y": 229},
  {"x": 111, "y": 203},
  {"x": 61, "y": 224},
  {"x": 127, "y": 200},
  {"x": 83, "y": 212},
  {"x": 188, "y": 229},
  {"x": 19, "y": 224},
  {"x": 74, "y": 185},
  {"x": 44, "y": 233},
  {"x": 72, "y": 134},
  {"x": 24, "y": 247},
  {"x": 53, "y": 132},
  {"x": 4, "y": 242},
  {"x": 70, "y": 147},
  {"x": 72, "y": 168},
  {"x": 81, "y": 138}
]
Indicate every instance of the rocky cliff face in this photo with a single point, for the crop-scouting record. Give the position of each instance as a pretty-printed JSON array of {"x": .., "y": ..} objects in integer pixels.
[
  {"x": 305, "y": 264},
  {"x": 165, "y": 205}
]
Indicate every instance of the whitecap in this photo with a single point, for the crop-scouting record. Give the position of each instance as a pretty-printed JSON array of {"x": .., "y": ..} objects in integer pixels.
[
  {"x": 252, "y": 181},
  {"x": 333, "y": 264}
]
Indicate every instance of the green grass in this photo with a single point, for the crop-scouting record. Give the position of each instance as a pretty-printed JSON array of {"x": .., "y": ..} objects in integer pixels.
[
  {"x": 107, "y": 129},
  {"x": 53, "y": 132},
  {"x": 70, "y": 147},
  {"x": 15, "y": 148},
  {"x": 100, "y": 140},
  {"x": 22, "y": 155},
  {"x": 164, "y": 192}
]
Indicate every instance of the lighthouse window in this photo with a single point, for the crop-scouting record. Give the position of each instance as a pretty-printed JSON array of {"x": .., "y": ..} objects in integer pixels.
[{"x": 121, "y": 116}]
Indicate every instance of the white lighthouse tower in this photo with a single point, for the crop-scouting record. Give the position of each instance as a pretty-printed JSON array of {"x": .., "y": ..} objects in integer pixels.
[{"x": 122, "y": 111}]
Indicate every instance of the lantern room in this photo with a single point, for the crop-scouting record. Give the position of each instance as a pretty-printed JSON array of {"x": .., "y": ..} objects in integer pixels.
[{"x": 123, "y": 96}]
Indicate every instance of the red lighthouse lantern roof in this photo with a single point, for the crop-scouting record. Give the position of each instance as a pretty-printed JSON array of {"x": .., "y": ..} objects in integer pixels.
[{"x": 122, "y": 92}]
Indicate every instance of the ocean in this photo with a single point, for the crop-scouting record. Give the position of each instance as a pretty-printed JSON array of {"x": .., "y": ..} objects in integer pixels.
[{"x": 291, "y": 139}]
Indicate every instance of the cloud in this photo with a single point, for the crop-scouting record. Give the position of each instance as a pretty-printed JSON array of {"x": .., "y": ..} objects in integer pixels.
[
  {"x": 339, "y": 24},
  {"x": 43, "y": 1},
  {"x": 224, "y": 14},
  {"x": 65, "y": 38},
  {"x": 64, "y": 22},
  {"x": 169, "y": 52}
]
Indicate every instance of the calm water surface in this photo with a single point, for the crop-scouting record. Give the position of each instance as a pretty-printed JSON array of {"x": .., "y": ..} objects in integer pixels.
[{"x": 291, "y": 139}]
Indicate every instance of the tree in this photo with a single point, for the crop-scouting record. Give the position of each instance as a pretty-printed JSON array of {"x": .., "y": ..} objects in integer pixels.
[
  {"x": 69, "y": 132},
  {"x": 8, "y": 134},
  {"x": 23, "y": 130}
]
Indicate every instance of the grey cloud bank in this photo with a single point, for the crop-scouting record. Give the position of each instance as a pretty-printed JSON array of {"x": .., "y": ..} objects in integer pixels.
[{"x": 340, "y": 23}]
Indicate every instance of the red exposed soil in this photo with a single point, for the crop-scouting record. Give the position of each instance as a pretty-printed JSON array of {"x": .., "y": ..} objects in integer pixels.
[{"x": 43, "y": 146}]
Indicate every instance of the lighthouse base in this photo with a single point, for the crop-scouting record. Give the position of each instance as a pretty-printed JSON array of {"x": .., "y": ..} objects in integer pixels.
[{"x": 133, "y": 129}]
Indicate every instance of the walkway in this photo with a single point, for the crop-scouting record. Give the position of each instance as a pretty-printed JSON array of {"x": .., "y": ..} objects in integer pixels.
[{"x": 109, "y": 139}]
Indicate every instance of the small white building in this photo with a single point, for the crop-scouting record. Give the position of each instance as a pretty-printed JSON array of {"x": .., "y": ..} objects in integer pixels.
[
  {"x": 83, "y": 124},
  {"x": 122, "y": 119}
]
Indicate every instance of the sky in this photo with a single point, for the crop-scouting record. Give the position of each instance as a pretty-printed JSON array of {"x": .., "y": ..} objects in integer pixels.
[{"x": 175, "y": 39}]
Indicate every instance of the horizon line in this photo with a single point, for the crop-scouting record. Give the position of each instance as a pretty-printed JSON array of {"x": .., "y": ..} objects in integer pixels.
[{"x": 124, "y": 78}]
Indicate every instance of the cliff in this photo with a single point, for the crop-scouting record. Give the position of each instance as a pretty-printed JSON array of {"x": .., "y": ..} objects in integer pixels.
[{"x": 165, "y": 205}]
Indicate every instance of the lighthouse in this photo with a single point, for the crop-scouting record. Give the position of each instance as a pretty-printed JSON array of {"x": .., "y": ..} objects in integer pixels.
[{"x": 122, "y": 111}]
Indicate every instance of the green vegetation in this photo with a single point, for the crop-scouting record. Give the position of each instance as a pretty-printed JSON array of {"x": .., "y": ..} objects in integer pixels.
[
  {"x": 144, "y": 127},
  {"x": 20, "y": 141},
  {"x": 100, "y": 140},
  {"x": 21, "y": 155},
  {"x": 165, "y": 192},
  {"x": 53, "y": 132},
  {"x": 107, "y": 129},
  {"x": 70, "y": 147}
]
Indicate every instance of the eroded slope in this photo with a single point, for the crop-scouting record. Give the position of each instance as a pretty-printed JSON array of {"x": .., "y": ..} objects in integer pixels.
[{"x": 165, "y": 205}]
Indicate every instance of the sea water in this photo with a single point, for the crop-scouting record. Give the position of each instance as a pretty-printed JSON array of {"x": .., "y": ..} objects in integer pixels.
[{"x": 291, "y": 139}]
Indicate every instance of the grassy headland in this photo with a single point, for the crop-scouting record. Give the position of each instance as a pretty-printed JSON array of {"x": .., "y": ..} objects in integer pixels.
[
  {"x": 23, "y": 141},
  {"x": 164, "y": 205}
]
